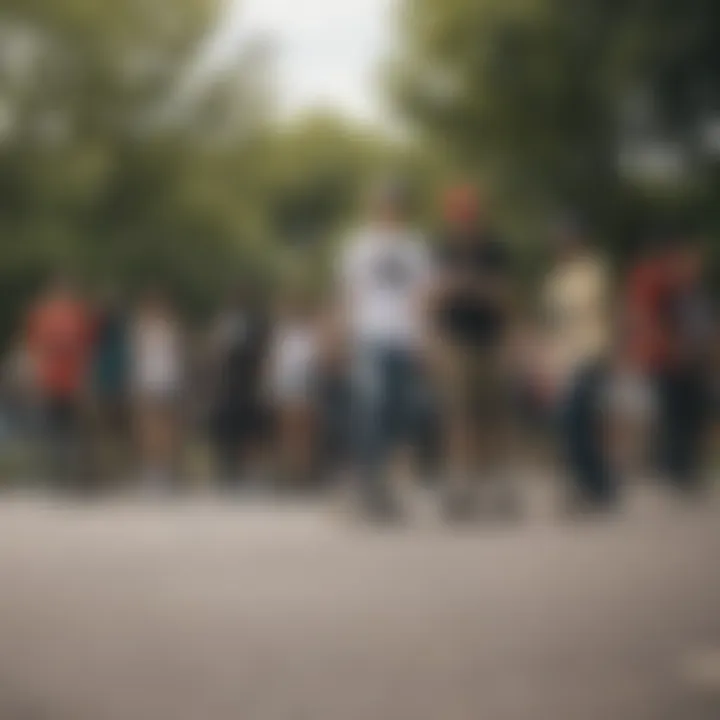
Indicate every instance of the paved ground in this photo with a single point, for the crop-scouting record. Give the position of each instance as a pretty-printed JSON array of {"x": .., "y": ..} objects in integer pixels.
[{"x": 199, "y": 612}]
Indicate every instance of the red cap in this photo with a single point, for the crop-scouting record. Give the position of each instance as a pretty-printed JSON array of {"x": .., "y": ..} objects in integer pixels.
[{"x": 462, "y": 205}]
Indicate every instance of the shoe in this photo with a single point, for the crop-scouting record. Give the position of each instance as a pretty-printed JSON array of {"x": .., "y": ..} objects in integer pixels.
[
  {"x": 382, "y": 510},
  {"x": 507, "y": 504},
  {"x": 460, "y": 506},
  {"x": 578, "y": 506}
]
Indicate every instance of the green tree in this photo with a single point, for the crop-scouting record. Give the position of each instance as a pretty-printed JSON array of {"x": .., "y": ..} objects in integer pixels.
[
  {"x": 541, "y": 96},
  {"x": 107, "y": 165}
]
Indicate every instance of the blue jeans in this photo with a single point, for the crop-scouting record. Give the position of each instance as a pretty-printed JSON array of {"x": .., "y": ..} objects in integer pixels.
[
  {"x": 386, "y": 402},
  {"x": 583, "y": 436},
  {"x": 683, "y": 405}
]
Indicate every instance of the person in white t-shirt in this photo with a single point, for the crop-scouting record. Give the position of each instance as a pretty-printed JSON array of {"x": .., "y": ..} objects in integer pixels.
[
  {"x": 156, "y": 376},
  {"x": 384, "y": 272},
  {"x": 293, "y": 377}
]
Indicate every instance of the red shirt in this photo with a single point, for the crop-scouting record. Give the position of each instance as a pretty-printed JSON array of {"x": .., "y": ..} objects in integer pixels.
[
  {"x": 59, "y": 342},
  {"x": 650, "y": 338}
]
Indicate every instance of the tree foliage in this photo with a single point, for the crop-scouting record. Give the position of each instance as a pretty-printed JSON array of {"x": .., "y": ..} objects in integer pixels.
[
  {"x": 119, "y": 163},
  {"x": 544, "y": 96}
]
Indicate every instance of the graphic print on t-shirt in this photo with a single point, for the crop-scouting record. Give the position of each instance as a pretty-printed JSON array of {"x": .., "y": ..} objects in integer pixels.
[
  {"x": 392, "y": 272},
  {"x": 383, "y": 275}
]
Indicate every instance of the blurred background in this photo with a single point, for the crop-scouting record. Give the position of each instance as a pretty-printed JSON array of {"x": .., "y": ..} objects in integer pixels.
[
  {"x": 179, "y": 180},
  {"x": 192, "y": 146},
  {"x": 193, "y": 142}
]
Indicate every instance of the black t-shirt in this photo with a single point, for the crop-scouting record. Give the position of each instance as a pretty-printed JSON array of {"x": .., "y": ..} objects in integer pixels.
[
  {"x": 464, "y": 315},
  {"x": 243, "y": 355}
]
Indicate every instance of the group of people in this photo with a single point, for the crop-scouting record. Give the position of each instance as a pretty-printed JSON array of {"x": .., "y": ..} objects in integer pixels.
[
  {"x": 618, "y": 364},
  {"x": 423, "y": 355},
  {"x": 97, "y": 385}
]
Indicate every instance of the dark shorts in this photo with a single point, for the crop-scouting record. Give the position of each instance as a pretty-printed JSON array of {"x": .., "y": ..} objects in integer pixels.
[
  {"x": 241, "y": 422},
  {"x": 475, "y": 381}
]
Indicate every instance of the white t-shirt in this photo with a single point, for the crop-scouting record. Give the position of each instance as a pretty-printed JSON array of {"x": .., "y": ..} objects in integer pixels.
[
  {"x": 156, "y": 358},
  {"x": 293, "y": 361},
  {"x": 383, "y": 273}
]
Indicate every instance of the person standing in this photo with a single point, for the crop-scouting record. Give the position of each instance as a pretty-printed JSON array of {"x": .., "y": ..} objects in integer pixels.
[
  {"x": 59, "y": 340},
  {"x": 334, "y": 399},
  {"x": 576, "y": 305},
  {"x": 293, "y": 377},
  {"x": 384, "y": 272},
  {"x": 471, "y": 305},
  {"x": 238, "y": 417},
  {"x": 156, "y": 361},
  {"x": 110, "y": 391},
  {"x": 674, "y": 331}
]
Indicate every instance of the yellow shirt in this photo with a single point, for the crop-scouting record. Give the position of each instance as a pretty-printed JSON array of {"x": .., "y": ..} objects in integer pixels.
[{"x": 575, "y": 302}]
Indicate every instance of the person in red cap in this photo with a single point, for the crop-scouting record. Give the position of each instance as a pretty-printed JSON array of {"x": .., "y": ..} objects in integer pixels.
[{"x": 471, "y": 311}]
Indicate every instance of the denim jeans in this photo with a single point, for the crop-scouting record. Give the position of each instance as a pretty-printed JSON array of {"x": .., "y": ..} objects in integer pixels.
[
  {"x": 385, "y": 411},
  {"x": 683, "y": 423},
  {"x": 583, "y": 436}
]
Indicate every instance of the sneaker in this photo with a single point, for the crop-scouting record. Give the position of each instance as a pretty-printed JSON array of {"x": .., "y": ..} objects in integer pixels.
[
  {"x": 383, "y": 509},
  {"x": 460, "y": 505}
]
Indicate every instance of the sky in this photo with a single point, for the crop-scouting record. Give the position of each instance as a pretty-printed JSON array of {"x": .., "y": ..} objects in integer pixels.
[{"x": 327, "y": 51}]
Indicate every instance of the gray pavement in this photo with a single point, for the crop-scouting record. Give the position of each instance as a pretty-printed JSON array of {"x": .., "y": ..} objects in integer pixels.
[{"x": 197, "y": 611}]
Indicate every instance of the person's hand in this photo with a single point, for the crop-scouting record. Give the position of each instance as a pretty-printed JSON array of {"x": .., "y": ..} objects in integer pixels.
[
  {"x": 465, "y": 280},
  {"x": 547, "y": 391},
  {"x": 431, "y": 354},
  {"x": 545, "y": 384}
]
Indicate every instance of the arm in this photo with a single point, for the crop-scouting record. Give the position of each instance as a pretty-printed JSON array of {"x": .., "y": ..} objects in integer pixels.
[
  {"x": 32, "y": 341},
  {"x": 494, "y": 289},
  {"x": 496, "y": 285},
  {"x": 338, "y": 320}
]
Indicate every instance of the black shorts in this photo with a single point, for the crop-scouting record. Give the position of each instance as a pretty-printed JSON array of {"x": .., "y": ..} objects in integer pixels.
[{"x": 240, "y": 423}]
